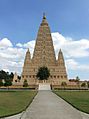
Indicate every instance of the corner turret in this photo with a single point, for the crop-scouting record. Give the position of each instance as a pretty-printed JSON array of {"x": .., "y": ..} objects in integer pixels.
[
  {"x": 61, "y": 59},
  {"x": 27, "y": 57}
]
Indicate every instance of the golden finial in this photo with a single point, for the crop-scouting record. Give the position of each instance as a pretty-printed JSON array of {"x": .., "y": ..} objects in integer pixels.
[
  {"x": 28, "y": 50},
  {"x": 44, "y": 16},
  {"x": 60, "y": 50}
]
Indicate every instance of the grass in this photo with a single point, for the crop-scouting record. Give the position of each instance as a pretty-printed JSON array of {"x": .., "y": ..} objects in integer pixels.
[
  {"x": 78, "y": 99},
  {"x": 13, "y": 102}
]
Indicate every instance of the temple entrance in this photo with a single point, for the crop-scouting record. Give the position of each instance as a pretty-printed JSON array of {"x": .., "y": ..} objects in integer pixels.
[
  {"x": 44, "y": 86},
  {"x": 43, "y": 81}
]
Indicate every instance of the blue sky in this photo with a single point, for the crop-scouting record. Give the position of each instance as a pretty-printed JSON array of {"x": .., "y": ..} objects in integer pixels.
[
  {"x": 70, "y": 17},
  {"x": 20, "y": 20}
]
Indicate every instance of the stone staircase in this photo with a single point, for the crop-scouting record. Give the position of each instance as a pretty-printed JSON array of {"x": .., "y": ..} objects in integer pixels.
[{"x": 44, "y": 86}]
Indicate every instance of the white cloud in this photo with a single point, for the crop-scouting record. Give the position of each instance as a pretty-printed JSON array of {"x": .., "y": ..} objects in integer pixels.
[
  {"x": 7, "y": 70},
  {"x": 74, "y": 65},
  {"x": 11, "y": 58},
  {"x": 19, "y": 45},
  {"x": 30, "y": 45},
  {"x": 71, "y": 64},
  {"x": 4, "y": 43},
  {"x": 70, "y": 47}
]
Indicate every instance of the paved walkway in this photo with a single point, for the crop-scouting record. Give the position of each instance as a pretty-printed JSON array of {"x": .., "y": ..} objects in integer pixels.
[{"x": 48, "y": 105}]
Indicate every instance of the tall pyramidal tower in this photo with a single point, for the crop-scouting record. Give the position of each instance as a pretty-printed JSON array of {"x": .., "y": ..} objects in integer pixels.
[
  {"x": 44, "y": 51},
  {"x": 44, "y": 55}
]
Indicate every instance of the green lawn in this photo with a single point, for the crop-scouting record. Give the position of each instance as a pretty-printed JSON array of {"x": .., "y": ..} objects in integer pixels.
[
  {"x": 12, "y": 102},
  {"x": 79, "y": 99}
]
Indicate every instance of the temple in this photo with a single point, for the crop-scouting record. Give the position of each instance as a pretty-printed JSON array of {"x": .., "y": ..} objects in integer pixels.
[{"x": 44, "y": 55}]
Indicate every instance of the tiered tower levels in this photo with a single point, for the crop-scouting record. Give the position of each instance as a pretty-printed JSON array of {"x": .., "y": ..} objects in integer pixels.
[{"x": 44, "y": 55}]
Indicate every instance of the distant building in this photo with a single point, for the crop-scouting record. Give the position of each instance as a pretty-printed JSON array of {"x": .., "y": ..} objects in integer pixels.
[{"x": 16, "y": 80}]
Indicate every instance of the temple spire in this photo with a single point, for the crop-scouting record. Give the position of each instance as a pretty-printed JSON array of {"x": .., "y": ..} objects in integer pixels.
[
  {"x": 27, "y": 57},
  {"x": 28, "y": 50},
  {"x": 27, "y": 64},
  {"x": 60, "y": 58},
  {"x": 44, "y": 21},
  {"x": 44, "y": 50}
]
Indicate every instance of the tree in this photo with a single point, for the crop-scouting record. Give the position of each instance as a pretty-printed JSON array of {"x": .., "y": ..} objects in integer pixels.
[
  {"x": 11, "y": 76},
  {"x": 83, "y": 84},
  {"x": 43, "y": 73},
  {"x": 77, "y": 80},
  {"x": 88, "y": 84},
  {"x": 8, "y": 83},
  {"x": 8, "y": 78},
  {"x": 3, "y": 74},
  {"x": 64, "y": 84},
  {"x": 25, "y": 83},
  {"x": 19, "y": 77},
  {"x": 1, "y": 83}
]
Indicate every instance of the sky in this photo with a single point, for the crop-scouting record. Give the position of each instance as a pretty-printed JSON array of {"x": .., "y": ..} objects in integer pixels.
[{"x": 69, "y": 24}]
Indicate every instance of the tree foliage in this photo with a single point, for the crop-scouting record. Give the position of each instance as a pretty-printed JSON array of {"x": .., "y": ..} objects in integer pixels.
[
  {"x": 19, "y": 77},
  {"x": 77, "y": 80},
  {"x": 63, "y": 84},
  {"x": 5, "y": 75},
  {"x": 43, "y": 73},
  {"x": 11, "y": 75},
  {"x": 25, "y": 83},
  {"x": 83, "y": 84},
  {"x": 8, "y": 83},
  {"x": 88, "y": 84},
  {"x": 1, "y": 83}
]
